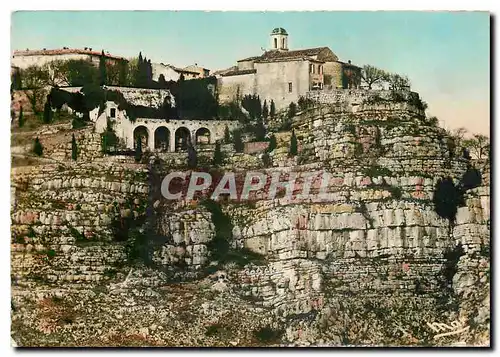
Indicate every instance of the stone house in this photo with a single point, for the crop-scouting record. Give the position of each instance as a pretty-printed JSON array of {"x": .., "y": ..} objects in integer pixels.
[
  {"x": 284, "y": 75},
  {"x": 27, "y": 58},
  {"x": 172, "y": 73}
]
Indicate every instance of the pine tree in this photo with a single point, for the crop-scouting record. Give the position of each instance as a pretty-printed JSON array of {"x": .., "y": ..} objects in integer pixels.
[
  {"x": 21, "y": 117},
  {"x": 237, "y": 141},
  {"x": 218, "y": 158},
  {"x": 272, "y": 111},
  {"x": 102, "y": 69},
  {"x": 37, "y": 147},
  {"x": 292, "y": 110},
  {"x": 47, "y": 113},
  {"x": 265, "y": 110},
  {"x": 293, "y": 145},
  {"x": 74, "y": 148},
  {"x": 192, "y": 156},
  {"x": 227, "y": 135},
  {"x": 138, "y": 149},
  {"x": 260, "y": 129}
]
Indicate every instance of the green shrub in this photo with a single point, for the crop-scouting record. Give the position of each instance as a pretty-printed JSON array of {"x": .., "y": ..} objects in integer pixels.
[
  {"x": 238, "y": 141},
  {"x": 218, "y": 157},
  {"x": 37, "y": 147},
  {"x": 292, "y": 110},
  {"x": 272, "y": 143},
  {"x": 376, "y": 171},
  {"x": 74, "y": 148},
  {"x": 447, "y": 198},
  {"x": 267, "y": 335},
  {"x": 78, "y": 123},
  {"x": 293, "y": 145}
]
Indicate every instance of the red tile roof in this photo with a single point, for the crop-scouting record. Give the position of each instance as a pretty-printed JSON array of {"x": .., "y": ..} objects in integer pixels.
[
  {"x": 66, "y": 51},
  {"x": 238, "y": 72},
  {"x": 298, "y": 54}
]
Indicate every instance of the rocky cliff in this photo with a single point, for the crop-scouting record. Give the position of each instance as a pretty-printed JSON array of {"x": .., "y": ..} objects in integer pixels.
[{"x": 99, "y": 258}]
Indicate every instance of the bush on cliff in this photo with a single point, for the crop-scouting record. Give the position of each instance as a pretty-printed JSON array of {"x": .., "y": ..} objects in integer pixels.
[
  {"x": 293, "y": 145},
  {"x": 292, "y": 110},
  {"x": 74, "y": 148},
  {"x": 21, "y": 117},
  {"x": 272, "y": 143},
  {"x": 37, "y": 147},
  {"x": 447, "y": 198},
  {"x": 238, "y": 141},
  {"x": 218, "y": 157},
  {"x": 138, "y": 150}
]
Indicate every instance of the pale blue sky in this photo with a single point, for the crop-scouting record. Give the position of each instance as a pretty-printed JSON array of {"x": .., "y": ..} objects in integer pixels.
[{"x": 445, "y": 54}]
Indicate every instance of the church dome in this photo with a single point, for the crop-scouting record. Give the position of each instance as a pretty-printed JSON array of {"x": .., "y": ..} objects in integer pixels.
[{"x": 279, "y": 31}]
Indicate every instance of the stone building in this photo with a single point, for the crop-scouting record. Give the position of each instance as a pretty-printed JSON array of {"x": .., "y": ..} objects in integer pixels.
[
  {"x": 203, "y": 72},
  {"x": 284, "y": 75},
  {"x": 27, "y": 58},
  {"x": 172, "y": 73},
  {"x": 164, "y": 134}
]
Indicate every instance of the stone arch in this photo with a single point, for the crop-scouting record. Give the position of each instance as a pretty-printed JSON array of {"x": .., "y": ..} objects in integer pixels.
[
  {"x": 162, "y": 138},
  {"x": 142, "y": 132},
  {"x": 182, "y": 138},
  {"x": 202, "y": 136}
]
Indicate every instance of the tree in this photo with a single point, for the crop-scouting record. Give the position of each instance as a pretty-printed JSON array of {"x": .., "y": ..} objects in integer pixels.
[
  {"x": 265, "y": 110},
  {"x": 74, "y": 148},
  {"x": 478, "y": 145},
  {"x": 35, "y": 79},
  {"x": 82, "y": 73},
  {"x": 293, "y": 145},
  {"x": 103, "y": 76},
  {"x": 21, "y": 117},
  {"x": 138, "y": 149},
  {"x": 108, "y": 138},
  {"x": 292, "y": 110},
  {"x": 447, "y": 198},
  {"x": 397, "y": 82},
  {"x": 272, "y": 143},
  {"x": 272, "y": 109},
  {"x": 47, "y": 113},
  {"x": 192, "y": 156},
  {"x": 218, "y": 158},
  {"x": 227, "y": 135},
  {"x": 372, "y": 75},
  {"x": 112, "y": 73},
  {"x": 56, "y": 72},
  {"x": 123, "y": 79},
  {"x": 37, "y": 147},
  {"x": 16, "y": 80},
  {"x": 238, "y": 141},
  {"x": 161, "y": 81},
  {"x": 259, "y": 130}
]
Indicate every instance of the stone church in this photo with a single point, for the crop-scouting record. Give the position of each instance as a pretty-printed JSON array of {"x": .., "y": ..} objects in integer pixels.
[{"x": 284, "y": 75}]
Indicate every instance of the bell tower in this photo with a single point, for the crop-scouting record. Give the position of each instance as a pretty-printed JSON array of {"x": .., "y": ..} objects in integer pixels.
[{"x": 279, "y": 39}]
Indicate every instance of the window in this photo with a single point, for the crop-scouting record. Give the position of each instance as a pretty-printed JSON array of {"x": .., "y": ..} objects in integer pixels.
[
  {"x": 112, "y": 113},
  {"x": 275, "y": 43},
  {"x": 283, "y": 43},
  {"x": 290, "y": 87},
  {"x": 320, "y": 69}
]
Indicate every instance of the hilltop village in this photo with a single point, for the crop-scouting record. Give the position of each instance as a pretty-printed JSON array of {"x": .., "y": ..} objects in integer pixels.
[
  {"x": 390, "y": 247},
  {"x": 264, "y": 84}
]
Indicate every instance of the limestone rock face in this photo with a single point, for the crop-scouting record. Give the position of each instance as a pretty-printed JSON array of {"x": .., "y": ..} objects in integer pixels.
[{"x": 368, "y": 254}]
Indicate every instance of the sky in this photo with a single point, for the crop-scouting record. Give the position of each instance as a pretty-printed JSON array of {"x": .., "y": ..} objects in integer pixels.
[{"x": 446, "y": 55}]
